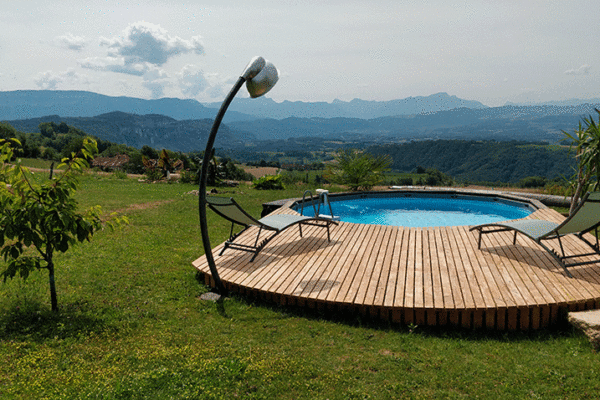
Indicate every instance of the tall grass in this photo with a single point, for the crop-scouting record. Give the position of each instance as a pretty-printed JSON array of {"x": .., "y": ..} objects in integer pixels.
[{"x": 132, "y": 326}]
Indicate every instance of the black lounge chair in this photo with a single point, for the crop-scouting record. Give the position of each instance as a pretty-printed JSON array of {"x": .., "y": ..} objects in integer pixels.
[
  {"x": 231, "y": 211},
  {"x": 585, "y": 218}
]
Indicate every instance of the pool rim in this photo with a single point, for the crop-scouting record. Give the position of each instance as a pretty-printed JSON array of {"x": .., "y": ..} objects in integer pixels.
[{"x": 408, "y": 192}]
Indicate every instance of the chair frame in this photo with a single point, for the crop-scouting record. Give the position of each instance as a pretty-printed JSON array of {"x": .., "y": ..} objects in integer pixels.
[
  {"x": 551, "y": 235},
  {"x": 251, "y": 221}
]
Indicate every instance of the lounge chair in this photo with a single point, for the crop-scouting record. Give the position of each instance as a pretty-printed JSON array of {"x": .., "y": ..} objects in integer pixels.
[
  {"x": 585, "y": 218},
  {"x": 230, "y": 210}
]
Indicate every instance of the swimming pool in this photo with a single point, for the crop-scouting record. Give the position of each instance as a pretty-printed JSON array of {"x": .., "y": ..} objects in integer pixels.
[{"x": 423, "y": 209}]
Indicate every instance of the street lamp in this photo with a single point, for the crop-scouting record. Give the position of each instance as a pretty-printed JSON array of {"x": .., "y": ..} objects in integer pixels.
[{"x": 260, "y": 76}]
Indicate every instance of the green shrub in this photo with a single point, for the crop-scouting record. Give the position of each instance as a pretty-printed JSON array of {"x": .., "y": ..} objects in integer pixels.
[
  {"x": 190, "y": 177},
  {"x": 269, "y": 182},
  {"x": 153, "y": 174},
  {"x": 358, "y": 170},
  {"x": 120, "y": 174},
  {"x": 437, "y": 178},
  {"x": 406, "y": 181}
]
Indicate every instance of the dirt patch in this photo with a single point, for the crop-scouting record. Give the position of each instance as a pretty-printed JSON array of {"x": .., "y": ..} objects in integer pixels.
[
  {"x": 143, "y": 206},
  {"x": 259, "y": 172}
]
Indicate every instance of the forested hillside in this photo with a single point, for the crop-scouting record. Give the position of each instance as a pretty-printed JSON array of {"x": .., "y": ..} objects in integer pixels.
[
  {"x": 157, "y": 131},
  {"x": 482, "y": 161},
  {"x": 543, "y": 123}
]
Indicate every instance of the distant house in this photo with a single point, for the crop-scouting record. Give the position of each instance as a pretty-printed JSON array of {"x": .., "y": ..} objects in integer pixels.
[
  {"x": 111, "y": 163},
  {"x": 178, "y": 165}
]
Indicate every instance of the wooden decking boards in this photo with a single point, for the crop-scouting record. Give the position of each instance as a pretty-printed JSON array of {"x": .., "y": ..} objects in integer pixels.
[{"x": 426, "y": 276}]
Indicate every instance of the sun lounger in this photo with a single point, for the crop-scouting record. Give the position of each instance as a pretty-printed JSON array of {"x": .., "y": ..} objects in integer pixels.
[
  {"x": 585, "y": 218},
  {"x": 231, "y": 211}
]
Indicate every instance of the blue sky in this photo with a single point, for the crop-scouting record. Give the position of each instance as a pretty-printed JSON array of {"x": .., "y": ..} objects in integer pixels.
[{"x": 490, "y": 51}]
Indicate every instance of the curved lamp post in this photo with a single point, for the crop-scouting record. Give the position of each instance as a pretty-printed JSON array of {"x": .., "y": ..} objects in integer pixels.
[{"x": 260, "y": 76}]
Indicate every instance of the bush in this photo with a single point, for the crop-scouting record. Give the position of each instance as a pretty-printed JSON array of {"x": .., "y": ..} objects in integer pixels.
[
  {"x": 532, "y": 182},
  {"x": 269, "y": 182},
  {"x": 49, "y": 154},
  {"x": 153, "y": 175},
  {"x": 358, "y": 170},
  {"x": 190, "y": 177},
  {"x": 120, "y": 174},
  {"x": 405, "y": 181},
  {"x": 437, "y": 178}
]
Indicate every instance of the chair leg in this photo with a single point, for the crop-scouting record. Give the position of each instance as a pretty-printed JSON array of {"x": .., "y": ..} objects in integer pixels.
[
  {"x": 556, "y": 257},
  {"x": 224, "y": 248},
  {"x": 258, "y": 236}
]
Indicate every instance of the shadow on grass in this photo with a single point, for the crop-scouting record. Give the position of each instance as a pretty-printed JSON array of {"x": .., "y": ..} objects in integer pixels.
[
  {"x": 355, "y": 319},
  {"x": 36, "y": 322}
]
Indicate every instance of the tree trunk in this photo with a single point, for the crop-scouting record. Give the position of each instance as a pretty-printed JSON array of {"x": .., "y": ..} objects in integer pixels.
[
  {"x": 575, "y": 198},
  {"x": 53, "y": 298}
]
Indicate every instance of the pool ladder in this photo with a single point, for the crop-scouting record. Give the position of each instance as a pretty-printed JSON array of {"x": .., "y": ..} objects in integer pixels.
[{"x": 323, "y": 199}]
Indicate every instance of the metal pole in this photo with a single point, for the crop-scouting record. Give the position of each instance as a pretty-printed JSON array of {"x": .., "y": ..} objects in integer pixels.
[{"x": 202, "y": 189}]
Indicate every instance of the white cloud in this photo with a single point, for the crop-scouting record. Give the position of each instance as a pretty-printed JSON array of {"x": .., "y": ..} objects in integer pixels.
[
  {"x": 71, "y": 42},
  {"x": 143, "y": 42},
  {"x": 583, "y": 70},
  {"x": 192, "y": 81},
  {"x": 156, "y": 80},
  {"x": 140, "y": 50},
  {"x": 115, "y": 64},
  {"x": 51, "y": 80},
  {"x": 47, "y": 80}
]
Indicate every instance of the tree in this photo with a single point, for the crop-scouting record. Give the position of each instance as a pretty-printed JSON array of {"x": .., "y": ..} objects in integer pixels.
[
  {"x": 37, "y": 220},
  {"x": 149, "y": 152},
  {"x": 358, "y": 170},
  {"x": 586, "y": 141}
]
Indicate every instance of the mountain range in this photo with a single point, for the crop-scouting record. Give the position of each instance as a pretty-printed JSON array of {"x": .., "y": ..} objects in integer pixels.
[
  {"x": 26, "y": 104},
  {"x": 529, "y": 123},
  {"x": 357, "y": 108},
  {"x": 183, "y": 125},
  {"x": 157, "y": 131}
]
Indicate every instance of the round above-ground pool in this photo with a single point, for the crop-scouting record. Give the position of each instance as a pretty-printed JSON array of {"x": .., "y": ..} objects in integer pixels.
[{"x": 421, "y": 209}]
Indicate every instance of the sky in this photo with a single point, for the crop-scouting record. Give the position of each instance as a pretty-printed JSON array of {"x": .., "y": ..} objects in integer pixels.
[{"x": 492, "y": 51}]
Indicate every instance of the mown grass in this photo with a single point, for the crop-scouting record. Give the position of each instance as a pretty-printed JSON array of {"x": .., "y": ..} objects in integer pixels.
[{"x": 132, "y": 326}]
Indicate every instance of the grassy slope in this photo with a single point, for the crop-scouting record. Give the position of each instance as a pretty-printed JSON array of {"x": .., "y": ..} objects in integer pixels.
[{"x": 131, "y": 326}]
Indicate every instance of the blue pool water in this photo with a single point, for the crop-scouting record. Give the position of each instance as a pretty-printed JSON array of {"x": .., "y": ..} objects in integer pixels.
[{"x": 424, "y": 210}]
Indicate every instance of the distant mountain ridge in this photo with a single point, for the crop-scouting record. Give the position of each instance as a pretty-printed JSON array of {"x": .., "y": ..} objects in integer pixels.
[
  {"x": 157, "y": 131},
  {"x": 539, "y": 123},
  {"x": 357, "y": 108},
  {"x": 26, "y": 104},
  {"x": 183, "y": 125}
]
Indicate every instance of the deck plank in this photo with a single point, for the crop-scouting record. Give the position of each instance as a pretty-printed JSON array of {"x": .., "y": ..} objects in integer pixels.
[
  {"x": 385, "y": 284},
  {"x": 339, "y": 264},
  {"x": 324, "y": 264},
  {"x": 351, "y": 269},
  {"x": 402, "y": 268},
  {"x": 393, "y": 279},
  {"x": 369, "y": 249},
  {"x": 378, "y": 275}
]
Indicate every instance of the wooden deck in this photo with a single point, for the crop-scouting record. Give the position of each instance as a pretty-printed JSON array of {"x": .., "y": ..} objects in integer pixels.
[{"x": 425, "y": 276}]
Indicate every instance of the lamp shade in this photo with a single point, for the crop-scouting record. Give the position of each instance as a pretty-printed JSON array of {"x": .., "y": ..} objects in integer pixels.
[
  {"x": 263, "y": 81},
  {"x": 253, "y": 68}
]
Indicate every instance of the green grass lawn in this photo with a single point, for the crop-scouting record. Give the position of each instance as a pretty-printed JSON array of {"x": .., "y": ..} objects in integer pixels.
[{"x": 131, "y": 326}]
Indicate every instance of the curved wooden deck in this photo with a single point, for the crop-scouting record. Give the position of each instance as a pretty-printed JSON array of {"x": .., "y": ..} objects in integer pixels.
[{"x": 425, "y": 276}]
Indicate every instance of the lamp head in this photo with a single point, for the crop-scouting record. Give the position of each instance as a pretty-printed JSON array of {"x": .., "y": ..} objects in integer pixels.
[
  {"x": 263, "y": 81},
  {"x": 253, "y": 68}
]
